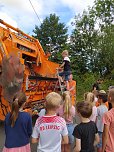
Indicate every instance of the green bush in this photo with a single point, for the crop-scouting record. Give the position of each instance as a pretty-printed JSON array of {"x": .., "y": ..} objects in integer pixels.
[{"x": 85, "y": 82}]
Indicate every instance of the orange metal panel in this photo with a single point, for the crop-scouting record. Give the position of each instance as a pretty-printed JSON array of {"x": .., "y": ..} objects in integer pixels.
[{"x": 36, "y": 62}]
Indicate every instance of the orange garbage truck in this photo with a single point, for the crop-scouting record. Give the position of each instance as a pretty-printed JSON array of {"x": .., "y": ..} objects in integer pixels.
[{"x": 39, "y": 77}]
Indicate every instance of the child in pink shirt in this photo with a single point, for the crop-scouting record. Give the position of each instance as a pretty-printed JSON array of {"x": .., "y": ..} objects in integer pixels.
[
  {"x": 67, "y": 111},
  {"x": 108, "y": 120}
]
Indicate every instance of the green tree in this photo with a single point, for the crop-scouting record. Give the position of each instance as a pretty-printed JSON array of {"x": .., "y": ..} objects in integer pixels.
[
  {"x": 52, "y": 35},
  {"x": 104, "y": 11},
  {"x": 84, "y": 43},
  {"x": 106, "y": 51},
  {"x": 92, "y": 46},
  {"x": 93, "y": 39}
]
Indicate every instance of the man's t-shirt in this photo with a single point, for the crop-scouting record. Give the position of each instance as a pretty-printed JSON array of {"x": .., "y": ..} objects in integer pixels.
[
  {"x": 72, "y": 83},
  {"x": 86, "y": 133},
  {"x": 49, "y": 130}
]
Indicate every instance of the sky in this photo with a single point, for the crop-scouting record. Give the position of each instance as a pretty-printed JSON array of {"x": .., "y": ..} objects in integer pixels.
[{"x": 19, "y": 13}]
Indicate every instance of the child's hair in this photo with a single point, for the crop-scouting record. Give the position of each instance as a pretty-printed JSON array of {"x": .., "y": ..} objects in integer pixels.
[
  {"x": 103, "y": 96},
  {"x": 111, "y": 94},
  {"x": 84, "y": 108},
  {"x": 110, "y": 87},
  {"x": 18, "y": 101},
  {"x": 65, "y": 52},
  {"x": 53, "y": 101},
  {"x": 67, "y": 104},
  {"x": 89, "y": 97}
]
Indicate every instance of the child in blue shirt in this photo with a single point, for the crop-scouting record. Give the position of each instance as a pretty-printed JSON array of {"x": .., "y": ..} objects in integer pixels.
[{"x": 18, "y": 126}]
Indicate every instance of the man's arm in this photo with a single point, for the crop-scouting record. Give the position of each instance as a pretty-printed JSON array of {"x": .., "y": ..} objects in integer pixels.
[
  {"x": 65, "y": 140},
  {"x": 97, "y": 139},
  {"x": 78, "y": 145},
  {"x": 94, "y": 88},
  {"x": 72, "y": 88},
  {"x": 105, "y": 137},
  {"x": 34, "y": 140}
]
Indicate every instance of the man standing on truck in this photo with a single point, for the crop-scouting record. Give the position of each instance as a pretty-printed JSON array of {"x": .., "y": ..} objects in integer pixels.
[{"x": 72, "y": 89}]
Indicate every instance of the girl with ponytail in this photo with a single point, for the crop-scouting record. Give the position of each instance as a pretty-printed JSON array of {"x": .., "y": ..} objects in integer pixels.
[
  {"x": 18, "y": 126},
  {"x": 89, "y": 97},
  {"x": 67, "y": 111}
]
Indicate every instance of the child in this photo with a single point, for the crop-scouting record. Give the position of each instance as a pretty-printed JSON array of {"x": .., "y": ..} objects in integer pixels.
[
  {"x": 67, "y": 111},
  {"x": 66, "y": 68},
  {"x": 89, "y": 97},
  {"x": 108, "y": 120},
  {"x": 18, "y": 127},
  {"x": 98, "y": 103},
  {"x": 50, "y": 128},
  {"x": 102, "y": 98},
  {"x": 86, "y": 133}
]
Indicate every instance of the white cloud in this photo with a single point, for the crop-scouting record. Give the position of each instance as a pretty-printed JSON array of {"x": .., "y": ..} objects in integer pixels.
[
  {"x": 77, "y": 6},
  {"x": 22, "y": 13},
  {"x": 21, "y": 6},
  {"x": 8, "y": 19}
]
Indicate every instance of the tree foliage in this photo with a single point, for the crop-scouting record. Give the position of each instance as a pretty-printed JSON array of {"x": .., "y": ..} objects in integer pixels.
[
  {"x": 84, "y": 38},
  {"x": 52, "y": 35},
  {"x": 92, "y": 44}
]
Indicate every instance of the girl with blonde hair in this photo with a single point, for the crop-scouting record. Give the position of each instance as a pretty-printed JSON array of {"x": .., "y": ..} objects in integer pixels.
[
  {"x": 89, "y": 97},
  {"x": 67, "y": 111}
]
